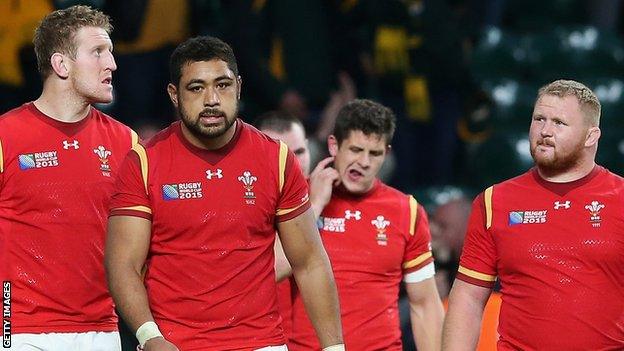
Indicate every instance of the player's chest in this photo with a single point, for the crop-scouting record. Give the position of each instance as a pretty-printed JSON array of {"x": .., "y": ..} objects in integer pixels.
[
  {"x": 362, "y": 235},
  {"x": 200, "y": 192},
  {"x": 572, "y": 231},
  {"x": 82, "y": 159}
]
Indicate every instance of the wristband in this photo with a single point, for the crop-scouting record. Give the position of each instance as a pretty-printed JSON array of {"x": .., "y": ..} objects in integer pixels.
[
  {"x": 339, "y": 347},
  {"x": 147, "y": 331}
]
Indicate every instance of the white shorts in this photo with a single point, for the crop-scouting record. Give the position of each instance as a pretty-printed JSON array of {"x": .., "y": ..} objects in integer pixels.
[
  {"x": 273, "y": 348},
  {"x": 89, "y": 341}
]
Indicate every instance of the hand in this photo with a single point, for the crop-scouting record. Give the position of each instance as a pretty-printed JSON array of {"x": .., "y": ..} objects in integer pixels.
[
  {"x": 337, "y": 99},
  {"x": 293, "y": 103},
  {"x": 159, "y": 344},
  {"x": 322, "y": 180}
]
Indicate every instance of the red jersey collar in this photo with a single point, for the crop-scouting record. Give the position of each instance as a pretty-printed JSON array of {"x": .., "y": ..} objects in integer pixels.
[
  {"x": 564, "y": 188},
  {"x": 67, "y": 128}
]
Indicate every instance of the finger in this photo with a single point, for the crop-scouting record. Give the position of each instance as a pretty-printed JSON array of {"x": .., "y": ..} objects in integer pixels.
[{"x": 323, "y": 164}]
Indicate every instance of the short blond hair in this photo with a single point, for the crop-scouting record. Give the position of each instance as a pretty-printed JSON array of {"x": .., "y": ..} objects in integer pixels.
[
  {"x": 588, "y": 101},
  {"x": 57, "y": 33}
]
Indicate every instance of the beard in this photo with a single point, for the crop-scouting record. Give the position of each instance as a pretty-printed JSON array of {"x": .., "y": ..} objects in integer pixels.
[
  {"x": 202, "y": 131},
  {"x": 558, "y": 162}
]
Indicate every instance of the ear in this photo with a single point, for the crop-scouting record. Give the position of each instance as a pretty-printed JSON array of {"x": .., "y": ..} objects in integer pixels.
[
  {"x": 59, "y": 65},
  {"x": 239, "y": 80},
  {"x": 332, "y": 145},
  {"x": 173, "y": 94},
  {"x": 593, "y": 134}
]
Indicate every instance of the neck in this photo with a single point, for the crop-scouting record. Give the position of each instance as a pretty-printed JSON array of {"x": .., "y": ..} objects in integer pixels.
[
  {"x": 61, "y": 103},
  {"x": 566, "y": 176},
  {"x": 208, "y": 143}
]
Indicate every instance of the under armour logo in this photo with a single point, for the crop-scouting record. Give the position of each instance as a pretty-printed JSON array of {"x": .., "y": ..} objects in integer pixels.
[
  {"x": 357, "y": 215},
  {"x": 218, "y": 174},
  {"x": 565, "y": 205},
  {"x": 67, "y": 145}
]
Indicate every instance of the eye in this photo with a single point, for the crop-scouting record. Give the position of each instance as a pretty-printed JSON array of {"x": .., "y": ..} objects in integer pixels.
[
  {"x": 223, "y": 85},
  {"x": 196, "y": 88}
]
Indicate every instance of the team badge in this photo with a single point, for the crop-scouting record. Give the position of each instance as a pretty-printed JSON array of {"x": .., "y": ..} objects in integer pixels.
[
  {"x": 594, "y": 211},
  {"x": 182, "y": 191},
  {"x": 527, "y": 217},
  {"x": 38, "y": 160},
  {"x": 73, "y": 144},
  {"x": 381, "y": 224},
  {"x": 248, "y": 180},
  {"x": 103, "y": 154}
]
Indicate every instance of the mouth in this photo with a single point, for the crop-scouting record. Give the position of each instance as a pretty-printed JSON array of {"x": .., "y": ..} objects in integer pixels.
[
  {"x": 211, "y": 118},
  {"x": 354, "y": 175},
  {"x": 108, "y": 81}
]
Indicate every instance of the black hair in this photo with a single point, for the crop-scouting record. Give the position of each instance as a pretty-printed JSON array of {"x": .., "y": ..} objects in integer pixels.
[
  {"x": 367, "y": 116},
  {"x": 202, "y": 48}
]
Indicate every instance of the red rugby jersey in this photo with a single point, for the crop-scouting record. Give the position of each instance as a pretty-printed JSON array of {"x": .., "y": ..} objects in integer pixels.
[
  {"x": 372, "y": 241},
  {"x": 56, "y": 180},
  {"x": 210, "y": 275},
  {"x": 558, "y": 251}
]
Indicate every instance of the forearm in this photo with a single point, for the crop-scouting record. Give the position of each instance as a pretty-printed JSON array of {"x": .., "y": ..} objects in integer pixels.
[
  {"x": 318, "y": 290},
  {"x": 130, "y": 296},
  {"x": 462, "y": 324},
  {"x": 427, "y": 324}
]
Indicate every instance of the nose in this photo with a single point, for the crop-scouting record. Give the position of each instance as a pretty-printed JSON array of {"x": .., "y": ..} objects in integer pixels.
[
  {"x": 546, "y": 130},
  {"x": 364, "y": 160},
  {"x": 212, "y": 97},
  {"x": 110, "y": 63}
]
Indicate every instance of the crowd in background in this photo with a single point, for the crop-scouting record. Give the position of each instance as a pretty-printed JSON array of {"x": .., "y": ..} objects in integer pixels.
[{"x": 433, "y": 62}]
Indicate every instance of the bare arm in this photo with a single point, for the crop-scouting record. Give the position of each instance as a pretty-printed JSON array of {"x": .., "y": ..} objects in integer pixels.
[
  {"x": 310, "y": 265},
  {"x": 426, "y": 314},
  {"x": 282, "y": 266},
  {"x": 463, "y": 319},
  {"x": 127, "y": 245}
]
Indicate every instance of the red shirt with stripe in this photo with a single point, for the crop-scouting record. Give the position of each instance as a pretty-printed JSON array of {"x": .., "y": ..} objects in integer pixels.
[
  {"x": 210, "y": 267},
  {"x": 372, "y": 240},
  {"x": 56, "y": 180},
  {"x": 558, "y": 251}
]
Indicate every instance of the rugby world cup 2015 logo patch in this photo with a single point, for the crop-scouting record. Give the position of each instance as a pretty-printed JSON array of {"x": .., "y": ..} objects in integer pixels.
[
  {"x": 527, "y": 217},
  {"x": 182, "y": 191},
  {"x": 38, "y": 160}
]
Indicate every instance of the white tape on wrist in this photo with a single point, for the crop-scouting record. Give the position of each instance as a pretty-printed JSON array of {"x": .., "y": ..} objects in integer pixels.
[
  {"x": 339, "y": 347},
  {"x": 147, "y": 331}
]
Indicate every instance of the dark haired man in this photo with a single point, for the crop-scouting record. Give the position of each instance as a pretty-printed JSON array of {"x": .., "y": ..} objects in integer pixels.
[
  {"x": 375, "y": 237},
  {"x": 198, "y": 207}
]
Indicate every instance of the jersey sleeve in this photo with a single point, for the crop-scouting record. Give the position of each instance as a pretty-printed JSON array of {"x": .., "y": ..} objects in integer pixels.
[
  {"x": 1, "y": 165},
  {"x": 294, "y": 198},
  {"x": 477, "y": 264},
  {"x": 418, "y": 260},
  {"x": 131, "y": 193}
]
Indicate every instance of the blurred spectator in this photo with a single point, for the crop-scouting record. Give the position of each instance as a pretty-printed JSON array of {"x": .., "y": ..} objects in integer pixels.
[
  {"x": 141, "y": 79},
  {"x": 414, "y": 57},
  {"x": 284, "y": 55},
  {"x": 448, "y": 228},
  {"x": 17, "y": 27}
]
